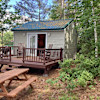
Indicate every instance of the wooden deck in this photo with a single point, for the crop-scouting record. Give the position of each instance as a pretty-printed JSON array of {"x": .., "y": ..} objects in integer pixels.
[
  {"x": 19, "y": 61},
  {"x": 29, "y": 59}
]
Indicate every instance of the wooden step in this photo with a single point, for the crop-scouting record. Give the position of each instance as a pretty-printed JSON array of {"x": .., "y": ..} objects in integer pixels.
[{"x": 14, "y": 92}]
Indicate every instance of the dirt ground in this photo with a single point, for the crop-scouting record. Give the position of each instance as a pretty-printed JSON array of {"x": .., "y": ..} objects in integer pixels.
[{"x": 44, "y": 91}]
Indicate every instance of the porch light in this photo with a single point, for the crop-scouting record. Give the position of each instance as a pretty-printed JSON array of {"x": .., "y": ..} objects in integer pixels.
[{"x": 49, "y": 34}]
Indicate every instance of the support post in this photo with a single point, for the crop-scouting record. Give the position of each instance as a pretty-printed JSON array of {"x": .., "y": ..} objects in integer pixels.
[
  {"x": 61, "y": 53},
  {"x": 44, "y": 57},
  {"x": 23, "y": 54}
]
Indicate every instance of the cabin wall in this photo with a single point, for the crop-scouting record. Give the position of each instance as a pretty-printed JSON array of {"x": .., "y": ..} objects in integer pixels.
[
  {"x": 20, "y": 37},
  {"x": 53, "y": 37},
  {"x": 70, "y": 46},
  {"x": 56, "y": 38}
]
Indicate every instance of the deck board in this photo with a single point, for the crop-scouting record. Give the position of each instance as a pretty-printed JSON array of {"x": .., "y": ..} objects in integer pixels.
[{"x": 15, "y": 60}]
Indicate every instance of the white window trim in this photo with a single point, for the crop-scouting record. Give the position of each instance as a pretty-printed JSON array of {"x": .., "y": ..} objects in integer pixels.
[{"x": 36, "y": 34}]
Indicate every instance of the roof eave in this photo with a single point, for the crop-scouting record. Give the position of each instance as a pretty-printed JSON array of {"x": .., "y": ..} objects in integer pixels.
[
  {"x": 38, "y": 29},
  {"x": 68, "y": 23}
]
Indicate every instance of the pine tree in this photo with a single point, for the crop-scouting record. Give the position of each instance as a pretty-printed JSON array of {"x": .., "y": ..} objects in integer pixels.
[
  {"x": 87, "y": 17},
  {"x": 35, "y": 9},
  {"x": 87, "y": 20}
]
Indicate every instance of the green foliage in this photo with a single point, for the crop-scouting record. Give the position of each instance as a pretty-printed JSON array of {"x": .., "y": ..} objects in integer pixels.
[
  {"x": 84, "y": 78},
  {"x": 8, "y": 38},
  {"x": 98, "y": 98},
  {"x": 82, "y": 12},
  {"x": 56, "y": 12},
  {"x": 51, "y": 82},
  {"x": 81, "y": 75},
  {"x": 7, "y": 18},
  {"x": 66, "y": 97},
  {"x": 85, "y": 70}
]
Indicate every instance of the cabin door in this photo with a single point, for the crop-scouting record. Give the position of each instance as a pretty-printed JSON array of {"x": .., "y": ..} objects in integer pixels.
[
  {"x": 41, "y": 41},
  {"x": 32, "y": 43}
]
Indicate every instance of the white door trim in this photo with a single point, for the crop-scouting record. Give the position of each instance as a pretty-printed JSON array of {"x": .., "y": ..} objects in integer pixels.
[{"x": 35, "y": 34}]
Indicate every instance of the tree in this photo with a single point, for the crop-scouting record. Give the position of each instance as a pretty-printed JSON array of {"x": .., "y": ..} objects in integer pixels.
[
  {"x": 86, "y": 16},
  {"x": 87, "y": 20},
  {"x": 35, "y": 9},
  {"x": 7, "y": 21},
  {"x": 8, "y": 38},
  {"x": 7, "y": 18},
  {"x": 56, "y": 12},
  {"x": 95, "y": 30},
  {"x": 59, "y": 9}
]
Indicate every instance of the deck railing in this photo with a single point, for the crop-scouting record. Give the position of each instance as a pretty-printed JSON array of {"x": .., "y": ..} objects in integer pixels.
[
  {"x": 38, "y": 55},
  {"x": 14, "y": 50},
  {"x": 5, "y": 53},
  {"x": 42, "y": 55}
]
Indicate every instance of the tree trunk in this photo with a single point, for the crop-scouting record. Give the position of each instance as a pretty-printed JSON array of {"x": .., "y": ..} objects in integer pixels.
[
  {"x": 39, "y": 10},
  {"x": 95, "y": 32}
]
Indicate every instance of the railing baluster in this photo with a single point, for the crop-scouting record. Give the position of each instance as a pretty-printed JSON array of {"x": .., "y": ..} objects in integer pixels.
[
  {"x": 23, "y": 54},
  {"x": 61, "y": 50},
  {"x": 34, "y": 54},
  {"x": 10, "y": 53},
  {"x": 44, "y": 58},
  {"x": 29, "y": 54}
]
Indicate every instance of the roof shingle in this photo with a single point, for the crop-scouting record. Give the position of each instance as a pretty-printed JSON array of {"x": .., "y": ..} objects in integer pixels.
[{"x": 43, "y": 25}]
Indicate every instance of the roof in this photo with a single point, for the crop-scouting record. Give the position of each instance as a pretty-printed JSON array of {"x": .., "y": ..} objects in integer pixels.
[{"x": 43, "y": 25}]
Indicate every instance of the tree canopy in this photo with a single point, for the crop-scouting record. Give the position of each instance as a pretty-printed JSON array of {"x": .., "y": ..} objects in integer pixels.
[
  {"x": 35, "y": 9},
  {"x": 87, "y": 19},
  {"x": 7, "y": 18}
]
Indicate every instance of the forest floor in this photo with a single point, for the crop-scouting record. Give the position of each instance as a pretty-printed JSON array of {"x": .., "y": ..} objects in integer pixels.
[{"x": 44, "y": 91}]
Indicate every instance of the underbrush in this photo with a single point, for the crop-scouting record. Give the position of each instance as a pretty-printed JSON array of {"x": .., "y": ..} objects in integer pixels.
[{"x": 80, "y": 72}]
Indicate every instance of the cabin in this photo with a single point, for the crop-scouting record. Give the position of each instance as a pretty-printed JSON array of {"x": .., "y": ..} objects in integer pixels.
[{"x": 42, "y": 44}]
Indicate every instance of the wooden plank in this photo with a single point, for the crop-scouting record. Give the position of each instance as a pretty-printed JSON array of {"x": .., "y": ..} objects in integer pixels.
[
  {"x": 16, "y": 65},
  {"x": 4, "y": 91},
  {"x": 14, "y": 92},
  {"x": 12, "y": 73}
]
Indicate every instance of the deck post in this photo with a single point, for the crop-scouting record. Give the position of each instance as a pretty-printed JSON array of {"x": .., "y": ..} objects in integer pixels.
[
  {"x": 61, "y": 53},
  {"x": 10, "y": 53},
  {"x": 23, "y": 53},
  {"x": 44, "y": 57}
]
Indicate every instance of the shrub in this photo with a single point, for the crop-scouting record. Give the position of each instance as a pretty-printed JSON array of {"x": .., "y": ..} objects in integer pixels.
[
  {"x": 84, "y": 79},
  {"x": 84, "y": 72}
]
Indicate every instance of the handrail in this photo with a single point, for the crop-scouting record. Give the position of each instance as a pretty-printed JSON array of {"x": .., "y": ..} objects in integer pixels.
[
  {"x": 42, "y": 55},
  {"x": 39, "y": 55},
  {"x": 5, "y": 53}
]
